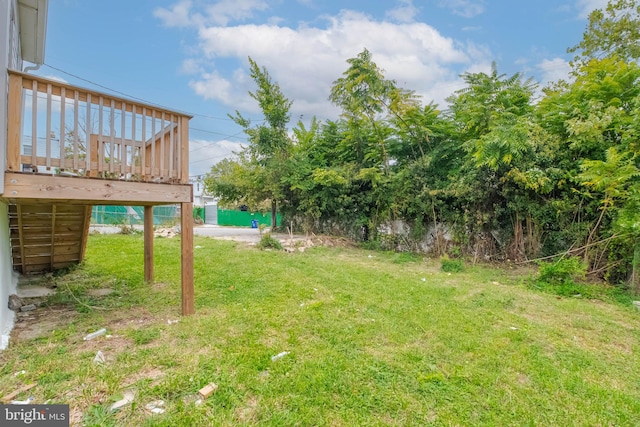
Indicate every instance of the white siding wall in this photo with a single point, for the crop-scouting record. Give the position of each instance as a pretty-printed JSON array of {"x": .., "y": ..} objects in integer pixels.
[
  {"x": 7, "y": 280},
  {"x": 9, "y": 58}
]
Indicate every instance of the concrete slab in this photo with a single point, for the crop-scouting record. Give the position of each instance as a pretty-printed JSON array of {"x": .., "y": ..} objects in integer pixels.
[{"x": 33, "y": 291}]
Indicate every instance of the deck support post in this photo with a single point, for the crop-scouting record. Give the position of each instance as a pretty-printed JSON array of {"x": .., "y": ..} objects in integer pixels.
[
  {"x": 186, "y": 243},
  {"x": 14, "y": 124},
  {"x": 148, "y": 244}
]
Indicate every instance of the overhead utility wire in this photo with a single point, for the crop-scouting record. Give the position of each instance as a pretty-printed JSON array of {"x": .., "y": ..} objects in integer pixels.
[{"x": 135, "y": 97}]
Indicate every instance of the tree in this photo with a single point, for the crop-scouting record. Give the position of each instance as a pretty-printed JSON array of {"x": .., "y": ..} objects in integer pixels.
[
  {"x": 493, "y": 117},
  {"x": 364, "y": 93},
  {"x": 612, "y": 31},
  {"x": 269, "y": 144}
]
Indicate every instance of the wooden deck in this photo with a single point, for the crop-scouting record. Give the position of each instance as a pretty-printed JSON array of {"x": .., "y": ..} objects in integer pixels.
[{"x": 70, "y": 148}]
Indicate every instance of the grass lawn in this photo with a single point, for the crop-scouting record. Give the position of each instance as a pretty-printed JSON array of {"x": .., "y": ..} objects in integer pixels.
[{"x": 373, "y": 339}]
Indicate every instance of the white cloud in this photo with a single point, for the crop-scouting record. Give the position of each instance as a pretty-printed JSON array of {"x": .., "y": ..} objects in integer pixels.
[
  {"x": 221, "y": 12},
  {"x": 406, "y": 12},
  {"x": 464, "y": 8},
  {"x": 204, "y": 153},
  {"x": 552, "y": 70},
  {"x": 191, "y": 66},
  {"x": 306, "y": 60},
  {"x": 585, "y": 7},
  {"x": 213, "y": 86},
  {"x": 177, "y": 16},
  {"x": 224, "y": 11}
]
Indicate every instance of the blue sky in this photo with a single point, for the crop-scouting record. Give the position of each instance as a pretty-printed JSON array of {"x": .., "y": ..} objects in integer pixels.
[{"x": 191, "y": 55}]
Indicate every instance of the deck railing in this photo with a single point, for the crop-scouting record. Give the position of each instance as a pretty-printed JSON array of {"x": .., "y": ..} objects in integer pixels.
[{"x": 58, "y": 128}]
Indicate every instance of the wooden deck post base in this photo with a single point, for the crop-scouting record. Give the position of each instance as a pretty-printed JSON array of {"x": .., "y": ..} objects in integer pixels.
[
  {"x": 186, "y": 243},
  {"x": 148, "y": 244}
]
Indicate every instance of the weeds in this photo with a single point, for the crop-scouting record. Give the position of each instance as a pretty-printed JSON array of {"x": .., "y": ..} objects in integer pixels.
[
  {"x": 269, "y": 242},
  {"x": 449, "y": 265}
]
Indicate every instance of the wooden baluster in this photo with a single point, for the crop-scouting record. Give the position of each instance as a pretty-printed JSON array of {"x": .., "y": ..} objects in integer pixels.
[
  {"x": 48, "y": 130},
  {"x": 75, "y": 131},
  {"x": 34, "y": 126}
]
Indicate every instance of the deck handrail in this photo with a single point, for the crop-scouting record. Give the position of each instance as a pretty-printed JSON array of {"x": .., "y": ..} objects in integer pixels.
[{"x": 55, "y": 127}]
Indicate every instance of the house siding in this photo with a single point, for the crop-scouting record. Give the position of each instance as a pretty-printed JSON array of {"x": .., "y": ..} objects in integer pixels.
[{"x": 9, "y": 58}]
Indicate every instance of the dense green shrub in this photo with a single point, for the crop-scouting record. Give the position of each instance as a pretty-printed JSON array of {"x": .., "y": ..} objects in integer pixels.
[
  {"x": 565, "y": 271},
  {"x": 269, "y": 242},
  {"x": 449, "y": 265}
]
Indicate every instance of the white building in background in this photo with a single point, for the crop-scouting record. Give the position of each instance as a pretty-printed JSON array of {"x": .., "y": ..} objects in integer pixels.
[
  {"x": 203, "y": 200},
  {"x": 200, "y": 196}
]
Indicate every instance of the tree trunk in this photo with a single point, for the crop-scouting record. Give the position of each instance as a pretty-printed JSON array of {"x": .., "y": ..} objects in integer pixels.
[{"x": 274, "y": 213}]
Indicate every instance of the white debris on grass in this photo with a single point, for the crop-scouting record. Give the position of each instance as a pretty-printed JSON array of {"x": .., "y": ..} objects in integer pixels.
[
  {"x": 23, "y": 402},
  {"x": 155, "y": 407},
  {"x": 99, "y": 359},
  {"x": 279, "y": 356},
  {"x": 95, "y": 334},
  {"x": 126, "y": 399}
]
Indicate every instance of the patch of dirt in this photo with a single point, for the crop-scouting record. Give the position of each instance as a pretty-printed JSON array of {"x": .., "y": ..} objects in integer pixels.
[
  {"x": 99, "y": 292},
  {"x": 109, "y": 345},
  {"x": 135, "y": 318},
  {"x": 249, "y": 413},
  {"x": 331, "y": 241},
  {"x": 41, "y": 321},
  {"x": 159, "y": 286},
  {"x": 153, "y": 374},
  {"x": 75, "y": 416}
]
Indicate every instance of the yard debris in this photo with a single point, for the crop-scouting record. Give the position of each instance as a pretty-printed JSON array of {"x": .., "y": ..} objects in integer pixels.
[
  {"x": 15, "y": 302},
  {"x": 424, "y": 279},
  {"x": 279, "y": 356},
  {"x": 95, "y": 334},
  {"x": 513, "y": 328},
  {"x": 198, "y": 247},
  {"x": 126, "y": 399},
  {"x": 169, "y": 233},
  {"x": 99, "y": 359},
  {"x": 29, "y": 307},
  {"x": 636, "y": 304},
  {"x": 19, "y": 373},
  {"x": 207, "y": 390},
  {"x": 155, "y": 407},
  {"x": 172, "y": 322},
  {"x": 295, "y": 245},
  {"x": 23, "y": 402},
  {"x": 11, "y": 396}
]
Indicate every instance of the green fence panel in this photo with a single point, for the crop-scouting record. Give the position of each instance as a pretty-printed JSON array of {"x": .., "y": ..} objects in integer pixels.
[
  {"x": 244, "y": 219},
  {"x": 132, "y": 215}
]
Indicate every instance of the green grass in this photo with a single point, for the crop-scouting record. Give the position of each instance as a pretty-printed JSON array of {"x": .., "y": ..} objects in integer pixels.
[{"x": 374, "y": 338}]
